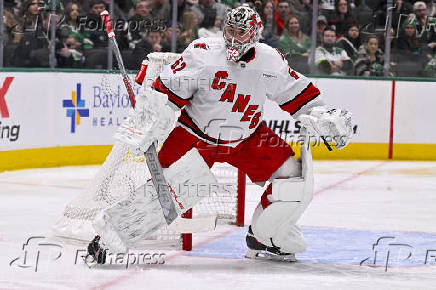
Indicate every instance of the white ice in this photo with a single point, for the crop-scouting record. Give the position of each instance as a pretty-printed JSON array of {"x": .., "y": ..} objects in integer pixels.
[{"x": 355, "y": 203}]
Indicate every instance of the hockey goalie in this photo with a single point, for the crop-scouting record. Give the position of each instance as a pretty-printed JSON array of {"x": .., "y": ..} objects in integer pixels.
[{"x": 220, "y": 86}]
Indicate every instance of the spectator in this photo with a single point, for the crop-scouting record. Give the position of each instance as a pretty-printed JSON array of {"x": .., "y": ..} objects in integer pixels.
[
  {"x": 96, "y": 57},
  {"x": 379, "y": 9},
  {"x": 321, "y": 25},
  {"x": 118, "y": 13},
  {"x": 402, "y": 8},
  {"x": 211, "y": 25},
  {"x": 34, "y": 38},
  {"x": 190, "y": 26},
  {"x": 306, "y": 18},
  {"x": 71, "y": 27},
  {"x": 370, "y": 60},
  {"x": 408, "y": 51},
  {"x": 342, "y": 18},
  {"x": 13, "y": 32},
  {"x": 295, "y": 45},
  {"x": 298, "y": 7},
  {"x": 94, "y": 26},
  {"x": 160, "y": 10},
  {"x": 283, "y": 12},
  {"x": 182, "y": 6},
  {"x": 431, "y": 8},
  {"x": 364, "y": 15},
  {"x": 293, "y": 41},
  {"x": 83, "y": 4},
  {"x": 220, "y": 8},
  {"x": 68, "y": 54},
  {"x": 33, "y": 49},
  {"x": 269, "y": 26},
  {"x": 430, "y": 68},
  {"x": 151, "y": 43},
  {"x": 230, "y": 3},
  {"x": 167, "y": 36},
  {"x": 14, "y": 7},
  {"x": 351, "y": 41},
  {"x": 425, "y": 28},
  {"x": 31, "y": 16},
  {"x": 330, "y": 59},
  {"x": 382, "y": 40},
  {"x": 137, "y": 26}
]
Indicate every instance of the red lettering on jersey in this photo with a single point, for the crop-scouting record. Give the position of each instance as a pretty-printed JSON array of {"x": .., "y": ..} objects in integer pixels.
[
  {"x": 219, "y": 75},
  {"x": 255, "y": 120},
  {"x": 178, "y": 65},
  {"x": 293, "y": 74},
  {"x": 200, "y": 45},
  {"x": 229, "y": 93},
  {"x": 241, "y": 103},
  {"x": 250, "y": 111}
]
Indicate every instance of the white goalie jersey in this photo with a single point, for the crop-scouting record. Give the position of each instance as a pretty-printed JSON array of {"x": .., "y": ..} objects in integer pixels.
[{"x": 223, "y": 101}]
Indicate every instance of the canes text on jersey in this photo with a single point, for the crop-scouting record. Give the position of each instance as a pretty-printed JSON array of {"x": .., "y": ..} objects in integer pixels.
[{"x": 240, "y": 105}]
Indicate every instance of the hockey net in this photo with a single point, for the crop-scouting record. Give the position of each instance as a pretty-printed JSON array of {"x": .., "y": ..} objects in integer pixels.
[{"x": 122, "y": 173}]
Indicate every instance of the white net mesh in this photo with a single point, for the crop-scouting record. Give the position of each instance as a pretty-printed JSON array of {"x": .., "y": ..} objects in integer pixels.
[{"x": 122, "y": 173}]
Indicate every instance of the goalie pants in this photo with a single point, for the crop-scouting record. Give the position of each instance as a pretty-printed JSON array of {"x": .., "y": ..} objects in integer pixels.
[{"x": 259, "y": 156}]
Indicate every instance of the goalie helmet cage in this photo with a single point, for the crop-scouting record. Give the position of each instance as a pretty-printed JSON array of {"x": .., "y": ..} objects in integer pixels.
[{"x": 122, "y": 173}]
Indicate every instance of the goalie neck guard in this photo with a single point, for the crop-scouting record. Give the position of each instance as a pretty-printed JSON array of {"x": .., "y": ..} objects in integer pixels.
[{"x": 242, "y": 29}]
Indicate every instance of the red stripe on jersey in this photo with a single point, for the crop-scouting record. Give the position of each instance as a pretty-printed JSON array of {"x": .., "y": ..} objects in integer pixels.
[
  {"x": 176, "y": 100},
  {"x": 264, "y": 199},
  {"x": 186, "y": 120},
  {"x": 281, "y": 54},
  {"x": 307, "y": 95}
]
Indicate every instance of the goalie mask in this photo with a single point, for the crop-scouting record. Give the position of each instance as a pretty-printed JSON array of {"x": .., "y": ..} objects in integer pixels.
[{"x": 242, "y": 29}]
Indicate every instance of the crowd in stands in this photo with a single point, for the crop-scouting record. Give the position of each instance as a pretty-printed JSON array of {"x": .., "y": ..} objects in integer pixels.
[{"x": 350, "y": 33}]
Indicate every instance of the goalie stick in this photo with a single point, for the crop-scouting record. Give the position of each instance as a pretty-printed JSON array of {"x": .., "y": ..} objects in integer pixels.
[{"x": 151, "y": 158}]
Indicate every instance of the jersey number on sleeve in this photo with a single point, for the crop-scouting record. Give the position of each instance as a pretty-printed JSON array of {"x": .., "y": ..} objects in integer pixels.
[
  {"x": 178, "y": 65},
  {"x": 293, "y": 74}
]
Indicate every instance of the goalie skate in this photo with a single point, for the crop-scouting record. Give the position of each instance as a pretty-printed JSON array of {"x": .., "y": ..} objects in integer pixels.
[
  {"x": 96, "y": 253},
  {"x": 257, "y": 250}
]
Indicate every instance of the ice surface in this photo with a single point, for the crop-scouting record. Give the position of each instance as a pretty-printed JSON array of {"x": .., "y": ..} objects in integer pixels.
[{"x": 361, "y": 212}]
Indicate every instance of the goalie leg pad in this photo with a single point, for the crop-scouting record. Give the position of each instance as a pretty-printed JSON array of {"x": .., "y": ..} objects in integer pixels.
[
  {"x": 191, "y": 180},
  {"x": 274, "y": 225},
  {"x": 140, "y": 214},
  {"x": 136, "y": 216}
]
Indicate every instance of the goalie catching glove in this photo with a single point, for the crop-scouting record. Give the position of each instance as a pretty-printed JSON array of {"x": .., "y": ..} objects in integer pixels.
[
  {"x": 334, "y": 124},
  {"x": 151, "y": 120}
]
